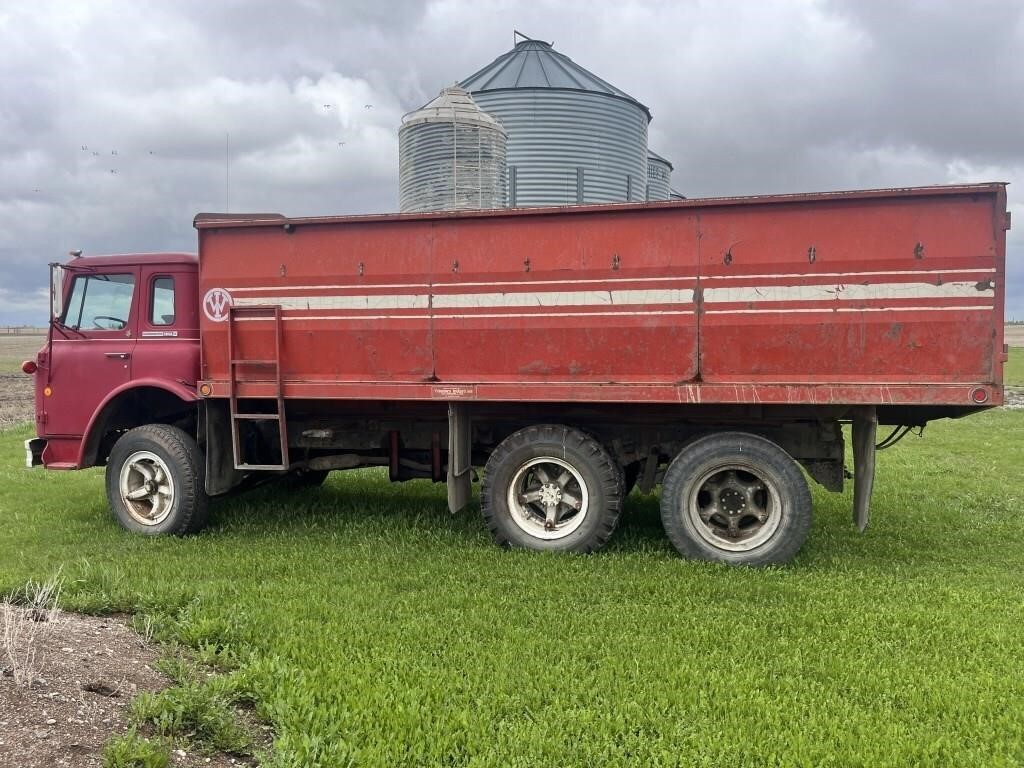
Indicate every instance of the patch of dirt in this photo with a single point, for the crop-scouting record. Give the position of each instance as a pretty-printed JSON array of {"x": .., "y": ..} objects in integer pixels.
[
  {"x": 17, "y": 390},
  {"x": 17, "y": 399},
  {"x": 87, "y": 671}
]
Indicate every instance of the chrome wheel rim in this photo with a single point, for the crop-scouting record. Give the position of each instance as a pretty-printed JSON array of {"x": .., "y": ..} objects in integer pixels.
[
  {"x": 734, "y": 507},
  {"x": 548, "y": 498},
  {"x": 147, "y": 488}
]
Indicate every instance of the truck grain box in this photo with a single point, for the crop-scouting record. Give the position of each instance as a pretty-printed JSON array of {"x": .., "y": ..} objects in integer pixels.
[{"x": 716, "y": 347}]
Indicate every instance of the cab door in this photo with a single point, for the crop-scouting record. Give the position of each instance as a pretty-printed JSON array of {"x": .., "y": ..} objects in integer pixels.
[
  {"x": 92, "y": 348},
  {"x": 167, "y": 347}
]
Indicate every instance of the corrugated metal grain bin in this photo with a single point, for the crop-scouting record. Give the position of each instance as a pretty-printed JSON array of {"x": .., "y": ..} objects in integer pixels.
[
  {"x": 659, "y": 177},
  {"x": 572, "y": 137},
  {"x": 451, "y": 157}
]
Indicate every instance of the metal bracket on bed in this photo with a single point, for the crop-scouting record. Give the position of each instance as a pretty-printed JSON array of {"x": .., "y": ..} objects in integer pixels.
[
  {"x": 460, "y": 456},
  {"x": 865, "y": 428}
]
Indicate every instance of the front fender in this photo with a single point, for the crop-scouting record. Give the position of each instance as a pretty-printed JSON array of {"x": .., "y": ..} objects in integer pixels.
[{"x": 94, "y": 432}]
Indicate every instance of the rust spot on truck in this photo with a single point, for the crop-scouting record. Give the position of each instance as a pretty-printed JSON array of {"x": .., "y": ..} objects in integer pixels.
[
  {"x": 894, "y": 332},
  {"x": 537, "y": 367}
]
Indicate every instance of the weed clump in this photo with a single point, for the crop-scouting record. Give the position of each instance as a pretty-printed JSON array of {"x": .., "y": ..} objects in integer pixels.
[
  {"x": 27, "y": 616},
  {"x": 130, "y": 750},
  {"x": 197, "y": 711}
]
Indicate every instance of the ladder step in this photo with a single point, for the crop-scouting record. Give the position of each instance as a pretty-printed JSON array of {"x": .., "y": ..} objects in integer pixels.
[{"x": 236, "y": 368}]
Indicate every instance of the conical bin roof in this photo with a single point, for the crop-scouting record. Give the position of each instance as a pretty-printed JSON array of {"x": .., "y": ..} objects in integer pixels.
[
  {"x": 536, "y": 64},
  {"x": 453, "y": 103}
]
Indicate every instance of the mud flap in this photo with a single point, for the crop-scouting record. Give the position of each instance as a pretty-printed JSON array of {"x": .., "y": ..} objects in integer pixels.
[
  {"x": 865, "y": 428},
  {"x": 214, "y": 425},
  {"x": 460, "y": 457}
]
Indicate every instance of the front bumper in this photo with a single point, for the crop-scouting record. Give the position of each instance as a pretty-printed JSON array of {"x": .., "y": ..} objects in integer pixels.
[{"x": 34, "y": 452}]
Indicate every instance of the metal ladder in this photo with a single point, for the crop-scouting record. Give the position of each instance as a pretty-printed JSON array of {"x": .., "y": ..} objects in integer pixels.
[{"x": 235, "y": 362}]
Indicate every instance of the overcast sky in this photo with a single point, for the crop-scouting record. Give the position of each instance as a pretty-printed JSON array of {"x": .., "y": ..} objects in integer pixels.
[{"x": 113, "y": 115}]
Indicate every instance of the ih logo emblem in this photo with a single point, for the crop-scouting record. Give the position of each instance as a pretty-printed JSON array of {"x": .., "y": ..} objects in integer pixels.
[{"x": 216, "y": 304}]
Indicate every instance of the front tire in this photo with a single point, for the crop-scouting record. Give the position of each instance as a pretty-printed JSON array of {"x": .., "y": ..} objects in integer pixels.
[
  {"x": 551, "y": 488},
  {"x": 736, "y": 498},
  {"x": 156, "y": 481}
]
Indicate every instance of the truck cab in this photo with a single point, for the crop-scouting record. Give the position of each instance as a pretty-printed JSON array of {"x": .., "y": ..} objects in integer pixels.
[{"x": 123, "y": 349}]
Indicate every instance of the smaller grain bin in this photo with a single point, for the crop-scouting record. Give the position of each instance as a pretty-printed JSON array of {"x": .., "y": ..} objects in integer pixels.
[
  {"x": 451, "y": 156},
  {"x": 659, "y": 177}
]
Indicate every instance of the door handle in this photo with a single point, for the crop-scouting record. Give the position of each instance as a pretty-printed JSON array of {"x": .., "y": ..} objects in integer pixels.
[{"x": 118, "y": 355}]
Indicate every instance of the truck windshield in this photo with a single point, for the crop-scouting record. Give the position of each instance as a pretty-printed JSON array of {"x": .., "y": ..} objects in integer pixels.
[{"x": 99, "y": 302}]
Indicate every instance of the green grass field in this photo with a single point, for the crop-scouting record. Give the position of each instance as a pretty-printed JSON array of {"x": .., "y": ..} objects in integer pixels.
[
  {"x": 373, "y": 628},
  {"x": 1013, "y": 371}
]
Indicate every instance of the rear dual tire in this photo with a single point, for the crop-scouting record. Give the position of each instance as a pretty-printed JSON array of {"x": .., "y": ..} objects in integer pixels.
[
  {"x": 551, "y": 488},
  {"x": 736, "y": 498}
]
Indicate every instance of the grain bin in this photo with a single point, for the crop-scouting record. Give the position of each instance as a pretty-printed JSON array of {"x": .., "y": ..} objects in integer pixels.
[
  {"x": 451, "y": 156},
  {"x": 659, "y": 177},
  {"x": 572, "y": 137}
]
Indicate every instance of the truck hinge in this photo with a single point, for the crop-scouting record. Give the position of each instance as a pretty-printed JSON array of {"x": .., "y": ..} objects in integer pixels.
[{"x": 865, "y": 428}]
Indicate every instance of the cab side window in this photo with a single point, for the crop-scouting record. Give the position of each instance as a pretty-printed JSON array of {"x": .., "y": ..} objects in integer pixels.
[
  {"x": 161, "y": 302},
  {"x": 100, "y": 302}
]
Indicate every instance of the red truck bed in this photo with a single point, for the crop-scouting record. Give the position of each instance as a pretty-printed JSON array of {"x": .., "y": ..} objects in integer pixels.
[{"x": 872, "y": 297}]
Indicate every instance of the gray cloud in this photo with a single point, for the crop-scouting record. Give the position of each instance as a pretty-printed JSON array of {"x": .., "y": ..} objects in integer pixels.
[{"x": 747, "y": 98}]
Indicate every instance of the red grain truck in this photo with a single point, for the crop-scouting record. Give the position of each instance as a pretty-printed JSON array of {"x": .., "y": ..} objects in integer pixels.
[{"x": 717, "y": 347}]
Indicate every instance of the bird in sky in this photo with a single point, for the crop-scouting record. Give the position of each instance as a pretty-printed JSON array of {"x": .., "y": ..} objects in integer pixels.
[
  {"x": 367, "y": 106},
  {"x": 85, "y": 147}
]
